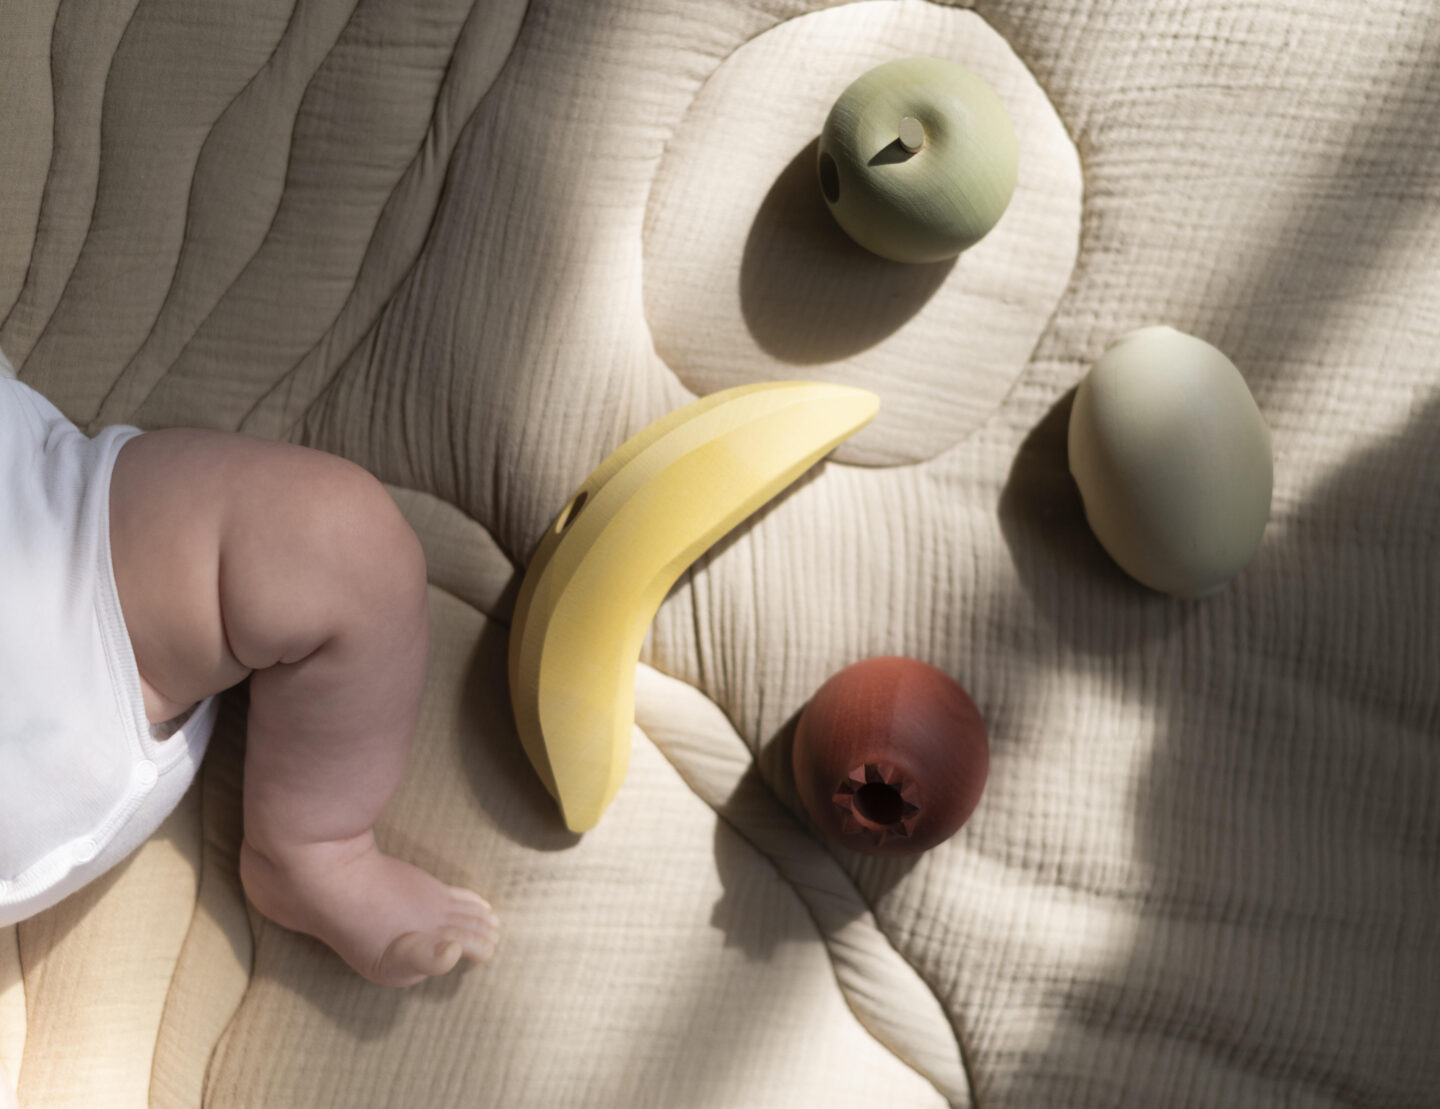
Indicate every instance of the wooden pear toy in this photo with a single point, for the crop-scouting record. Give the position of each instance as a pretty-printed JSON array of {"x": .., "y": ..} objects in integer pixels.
[{"x": 1173, "y": 460}]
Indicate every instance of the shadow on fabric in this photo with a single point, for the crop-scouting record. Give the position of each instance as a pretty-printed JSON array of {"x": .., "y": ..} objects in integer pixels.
[{"x": 809, "y": 294}]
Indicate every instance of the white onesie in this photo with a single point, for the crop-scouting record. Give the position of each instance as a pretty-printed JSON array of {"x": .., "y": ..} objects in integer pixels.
[{"x": 84, "y": 779}]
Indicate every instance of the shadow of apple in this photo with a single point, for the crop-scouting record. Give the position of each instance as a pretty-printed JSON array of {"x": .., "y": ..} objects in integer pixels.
[{"x": 809, "y": 294}]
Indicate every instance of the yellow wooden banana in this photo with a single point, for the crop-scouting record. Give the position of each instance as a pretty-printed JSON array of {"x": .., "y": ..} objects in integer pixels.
[{"x": 640, "y": 519}]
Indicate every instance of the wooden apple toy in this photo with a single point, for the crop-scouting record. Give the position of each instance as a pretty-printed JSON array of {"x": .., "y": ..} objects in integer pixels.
[
  {"x": 890, "y": 756},
  {"x": 918, "y": 159}
]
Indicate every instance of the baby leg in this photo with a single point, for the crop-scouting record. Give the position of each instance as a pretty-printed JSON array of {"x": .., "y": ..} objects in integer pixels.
[{"x": 296, "y": 565}]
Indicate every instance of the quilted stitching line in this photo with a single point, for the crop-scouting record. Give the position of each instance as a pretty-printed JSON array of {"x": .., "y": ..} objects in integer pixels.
[
  {"x": 328, "y": 380},
  {"x": 126, "y": 371},
  {"x": 49, "y": 174},
  {"x": 99, "y": 176},
  {"x": 757, "y": 843}
]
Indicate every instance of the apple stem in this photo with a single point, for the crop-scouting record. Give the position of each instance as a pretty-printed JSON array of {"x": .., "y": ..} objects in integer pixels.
[{"x": 912, "y": 135}]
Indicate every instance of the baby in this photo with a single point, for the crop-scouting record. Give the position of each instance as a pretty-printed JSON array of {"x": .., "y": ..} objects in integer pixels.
[{"x": 140, "y": 575}]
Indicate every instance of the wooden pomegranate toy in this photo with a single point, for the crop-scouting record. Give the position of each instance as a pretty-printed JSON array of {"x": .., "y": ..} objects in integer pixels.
[{"x": 890, "y": 756}]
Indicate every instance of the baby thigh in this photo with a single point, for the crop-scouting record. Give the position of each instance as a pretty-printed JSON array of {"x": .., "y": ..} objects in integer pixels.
[
  {"x": 168, "y": 492},
  {"x": 308, "y": 577}
]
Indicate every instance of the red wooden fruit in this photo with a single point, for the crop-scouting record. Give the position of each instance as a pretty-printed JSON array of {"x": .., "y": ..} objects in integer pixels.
[{"x": 890, "y": 756}]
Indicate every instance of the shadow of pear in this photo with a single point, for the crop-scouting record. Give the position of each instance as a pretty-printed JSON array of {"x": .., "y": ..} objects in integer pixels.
[
  {"x": 809, "y": 293},
  {"x": 1070, "y": 578}
]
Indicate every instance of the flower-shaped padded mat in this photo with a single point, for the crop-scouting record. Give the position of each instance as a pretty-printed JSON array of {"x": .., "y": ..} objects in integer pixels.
[{"x": 474, "y": 244}]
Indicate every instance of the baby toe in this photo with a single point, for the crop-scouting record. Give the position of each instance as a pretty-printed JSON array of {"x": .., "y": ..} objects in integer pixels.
[
  {"x": 478, "y": 944},
  {"x": 469, "y": 900},
  {"x": 417, "y": 955},
  {"x": 488, "y": 923}
]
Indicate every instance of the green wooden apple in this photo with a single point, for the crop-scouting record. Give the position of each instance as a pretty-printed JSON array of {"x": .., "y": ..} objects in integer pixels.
[{"x": 918, "y": 159}]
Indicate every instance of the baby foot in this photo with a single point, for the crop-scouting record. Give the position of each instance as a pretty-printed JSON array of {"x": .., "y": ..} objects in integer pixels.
[{"x": 392, "y": 922}]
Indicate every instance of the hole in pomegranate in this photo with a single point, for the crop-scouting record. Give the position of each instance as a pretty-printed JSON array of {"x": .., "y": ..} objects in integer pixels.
[{"x": 879, "y": 803}]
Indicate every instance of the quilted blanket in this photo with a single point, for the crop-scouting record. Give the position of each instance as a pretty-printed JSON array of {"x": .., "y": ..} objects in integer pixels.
[{"x": 474, "y": 245}]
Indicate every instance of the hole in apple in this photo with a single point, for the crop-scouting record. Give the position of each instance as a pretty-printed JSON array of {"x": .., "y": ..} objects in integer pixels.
[
  {"x": 879, "y": 803},
  {"x": 570, "y": 511},
  {"x": 829, "y": 178}
]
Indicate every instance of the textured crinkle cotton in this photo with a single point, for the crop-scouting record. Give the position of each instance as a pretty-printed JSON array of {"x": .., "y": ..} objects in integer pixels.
[{"x": 475, "y": 246}]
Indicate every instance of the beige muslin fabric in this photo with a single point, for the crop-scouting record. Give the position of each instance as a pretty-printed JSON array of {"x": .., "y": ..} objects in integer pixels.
[{"x": 474, "y": 244}]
